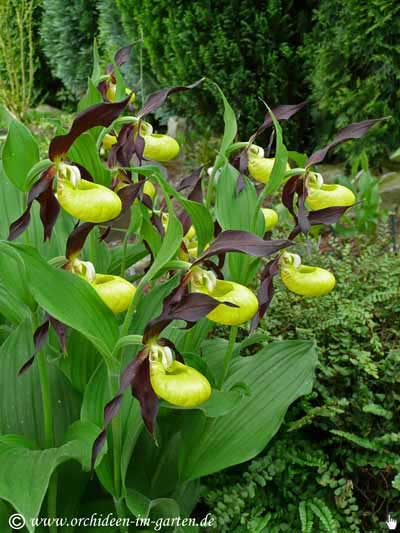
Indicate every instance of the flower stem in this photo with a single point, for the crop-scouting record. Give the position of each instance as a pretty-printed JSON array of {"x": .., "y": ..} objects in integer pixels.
[
  {"x": 48, "y": 435},
  {"x": 228, "y": 353}
]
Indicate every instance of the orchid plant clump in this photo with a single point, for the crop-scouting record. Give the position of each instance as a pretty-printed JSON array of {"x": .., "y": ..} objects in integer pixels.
[{"x": 202, "y": 255}]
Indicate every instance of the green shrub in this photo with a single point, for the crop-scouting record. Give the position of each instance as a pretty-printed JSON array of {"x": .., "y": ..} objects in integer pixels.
[
  {"x": 68, "y": 30},
  {"x": 339, "y": 449},
  {"x": 17, "y": 53},
  {"x": 249, "y": 51},
  {"x": 352, "y": 58}
]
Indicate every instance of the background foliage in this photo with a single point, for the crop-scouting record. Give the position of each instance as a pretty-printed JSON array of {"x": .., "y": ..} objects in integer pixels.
[
  {"x": 68, "y": 30},
  {"x": 341, "y": 56},
  {"x": 353, "y": 68},
  {"x": 339, "y": 449}
]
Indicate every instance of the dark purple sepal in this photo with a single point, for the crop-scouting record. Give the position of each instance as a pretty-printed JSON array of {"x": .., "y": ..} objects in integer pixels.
[
  {"x": 281, "y": 112},
  {"x": 102, "y": 114},
  {"x": 327, "y": 216},
  {"x": 128, "y": 379},
  {"x": 244, "y": 242},
  {"x": 157, "y": 99},
  {"x": 122, "y": 55},
  {"x": 191, "y": 308},
  {"x": 144, "y": 393},
  {"x": 61, "y": 331},
  {"x": 76, "y": 239},
  {"x": 266, "y": 291},
  {"x": 353, "y": 131},
  {"x": 39, "y": 340},
  {"x": 38, "y": 190}
]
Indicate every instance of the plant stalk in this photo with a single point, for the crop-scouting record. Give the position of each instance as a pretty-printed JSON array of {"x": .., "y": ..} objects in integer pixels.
[
  {"x": 228, "y": 354},
  {"x": 48, "y": 435}
]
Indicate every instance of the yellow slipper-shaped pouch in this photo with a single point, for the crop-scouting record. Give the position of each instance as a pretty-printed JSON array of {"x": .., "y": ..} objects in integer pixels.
[
  {"x": 229, "y": 291},
  {"x": 179, "y": 384},
  {"x": 88, "y": 201},
  {"x": 260, "y": 167},
  {"x": 116, "y": 292},
  {"x": 270, "y": 217},
  {"x": 305, "y": 280},
  {"x": 322, "y": 195},
  {"x": 159, "y": 147}
]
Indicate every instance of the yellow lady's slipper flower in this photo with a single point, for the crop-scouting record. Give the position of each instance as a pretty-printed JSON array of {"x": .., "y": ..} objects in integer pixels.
[
  {"x": 175, "y": 382},
  {"x": 159, "y": 147},
  {"x": 322, "y": 195},
  {"x": 260, "y": 167},
  {"x": 226, "y": 291},
  {"x": 270, "y": 217},
  {"x": 305, "y": 280},
  {"x": 88, "y": 201},
  {"x": 116, "y": 292}
]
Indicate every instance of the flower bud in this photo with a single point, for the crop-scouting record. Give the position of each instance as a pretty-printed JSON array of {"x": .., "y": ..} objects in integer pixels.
[
  {"x": 116, "y": 292},
  {"x": 133, "y": 95},
  {"x": 260, "y": 167},
  {"x": 231, "y": 292},
  {"x": 305, "y": 280},
  {"x": 178, "y": 384},
  {"x": 111, "y": 93},
  {"x": 270, "y": 217},
  {"x": 108, "y": 142},
  {"x": 149, "y": 189},
  {"x": 322, "y": 195},
  {"x": 159, "y": 147},
  {"x": 89, "y": 201}
]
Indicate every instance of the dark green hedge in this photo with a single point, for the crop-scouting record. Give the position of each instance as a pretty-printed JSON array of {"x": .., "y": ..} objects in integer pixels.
[
  {"x": 353, "y": 62},
  {"x": 343, "y": 55},
  {"x": 249, "y": 49},
  {"x": 68, "y": 30}
]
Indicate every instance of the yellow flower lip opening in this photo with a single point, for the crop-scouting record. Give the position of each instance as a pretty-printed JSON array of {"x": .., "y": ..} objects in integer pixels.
[
  {"x": 160, "y": 147},
  {"x": 305, "y": 280},
  {"x": 88, "y": 201},
  {"x": 322, "y": 195},
  {"x": 116, "y": 292},
  {"x": 231, "y": 292},
  {"x": 175, "y": 382}
]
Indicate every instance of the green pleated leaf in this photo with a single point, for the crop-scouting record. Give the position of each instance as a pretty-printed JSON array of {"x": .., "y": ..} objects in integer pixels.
[
  {"x": 277, "y": 375},
  {"x": 71, "y": 300},
  {"x": 281, "y": 157},
  {"x": 81, "y": 361},
  {"x": 199, "y": 214},
  {"x": 171, "y": 240},
  {"x": 20, "y": 154},
  {"x": 26, "y": 471},
  {"x": 134, "y": 253},
  {"x": 230, "y": 124},
  {"x": 236, "y": 211},
  {"x": 21, "y": 408}
]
